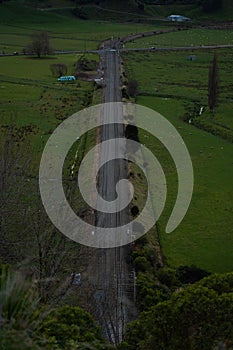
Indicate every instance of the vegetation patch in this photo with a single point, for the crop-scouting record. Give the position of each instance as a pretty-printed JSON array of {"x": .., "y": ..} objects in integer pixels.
[
  {"x": 175, "y": 87},
  {"x": 190, "y": 37},
  {"x": 203, "y": 237},
  {"x": 33, "y": 104},
  {"x": 193, "y": 315}
]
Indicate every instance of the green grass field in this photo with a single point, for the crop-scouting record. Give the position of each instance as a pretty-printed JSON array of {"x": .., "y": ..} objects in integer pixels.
[
  {"x": 66, "y": 32},
  {"x": 189, "y": 37},
  {"x": 205, "y": 236},
  {"x": 172, "y": 74},
  {"x": 30, "y": 95},
  {"x": 172, "y": 85}
]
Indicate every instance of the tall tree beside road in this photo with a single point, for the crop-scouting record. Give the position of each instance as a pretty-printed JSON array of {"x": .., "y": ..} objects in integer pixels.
[
  {"x": 213, "y": 84},
  {"x": 133, "y": 88},
  {"x": 40, "y": 44}
]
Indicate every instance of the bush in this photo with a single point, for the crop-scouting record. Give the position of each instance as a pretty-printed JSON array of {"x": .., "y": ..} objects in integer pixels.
[
  {"x": 18, "y": 300},
  {"x": 58, "y": 69},
  {"x": 131, "y": 132},
  {"x": 69, "y": 324},
  {"x": 149, "y": 292},
  {"x": 132, "y": 88},
  {"x": 190, "y": 274},
  {"x": 198, "y": 317},
  {"x": 11, "y": 339},
  {"x": 168, "y": 277},
  {"x": 80, "y": 13},
  {"x": 142, "y": 264}
]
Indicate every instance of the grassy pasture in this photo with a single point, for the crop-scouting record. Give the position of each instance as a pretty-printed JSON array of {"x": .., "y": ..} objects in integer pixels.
[
  {"x": 205, "y": 236},
  {"x": 66, "y": 31},
  {"x": 189, "y": 37},
  {"x": 167, "y": 74},
  {"x": 30, "y": 95},
  {"x": 224, "y": 115},
  {"x": 173, "y": 85},
  {"x": 172, "y": 74},
  {"x": 32, "y": 68}
]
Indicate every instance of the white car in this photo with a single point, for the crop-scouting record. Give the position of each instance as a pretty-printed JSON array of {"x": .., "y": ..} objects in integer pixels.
[{"x": 76, "y": 278}]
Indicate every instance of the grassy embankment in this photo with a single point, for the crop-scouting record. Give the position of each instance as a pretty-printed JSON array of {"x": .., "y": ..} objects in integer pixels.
[{"x": 175, "y": 86}]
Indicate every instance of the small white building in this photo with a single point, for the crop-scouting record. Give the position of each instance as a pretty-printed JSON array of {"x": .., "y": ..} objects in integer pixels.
[{"x": 178, "y": 18}]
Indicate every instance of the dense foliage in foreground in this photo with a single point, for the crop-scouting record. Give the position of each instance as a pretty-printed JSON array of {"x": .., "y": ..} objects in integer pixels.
[
  {"x": 199, "y": 316},
  {"x": 27, "y": 324}
]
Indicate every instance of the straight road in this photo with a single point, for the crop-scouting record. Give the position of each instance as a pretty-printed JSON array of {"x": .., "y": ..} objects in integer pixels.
[
  {"x": 110, "y": 273},
  {"x": 112, "y": 262}
]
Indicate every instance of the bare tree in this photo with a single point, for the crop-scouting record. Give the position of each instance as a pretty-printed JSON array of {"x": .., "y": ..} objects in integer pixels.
[
  {"x": 213, "y": 84},
  {"x": 53, "y": 258},
  {"x": 58, "y": 69},
  {"x": 27, "y": 237},
  {"x": 40, "y": 44},
  {"x": 48, "y": 254}
]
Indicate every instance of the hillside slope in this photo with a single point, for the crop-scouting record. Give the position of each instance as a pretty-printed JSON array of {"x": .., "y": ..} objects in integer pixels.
[{"x": 129, "y": 10}]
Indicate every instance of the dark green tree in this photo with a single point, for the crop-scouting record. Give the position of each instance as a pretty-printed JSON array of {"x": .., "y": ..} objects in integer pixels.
[
  {"x": 26, "y": 324},
  {"x": 70, "y": 325},
  {"x": 133, "y": 88},
  {"x": 196, "y": 317}
]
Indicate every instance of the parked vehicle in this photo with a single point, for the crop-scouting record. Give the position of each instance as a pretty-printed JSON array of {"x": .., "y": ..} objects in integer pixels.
[
  {"x": 67, "y": 78},
  {"x": 76, "y": 278}
]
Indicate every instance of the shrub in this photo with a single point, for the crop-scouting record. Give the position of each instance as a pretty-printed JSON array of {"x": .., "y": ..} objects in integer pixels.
[
  {"x": 167, "y": 276},
  {"x": 142, "y": 264},
  {"x": 190, "y": 274},
  {"x": 58, "y": 69},
  {"x": 69, "y": 324}
]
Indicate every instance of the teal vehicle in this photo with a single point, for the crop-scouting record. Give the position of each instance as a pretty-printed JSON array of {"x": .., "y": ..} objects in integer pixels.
[{"x": 67, "y": 78}]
